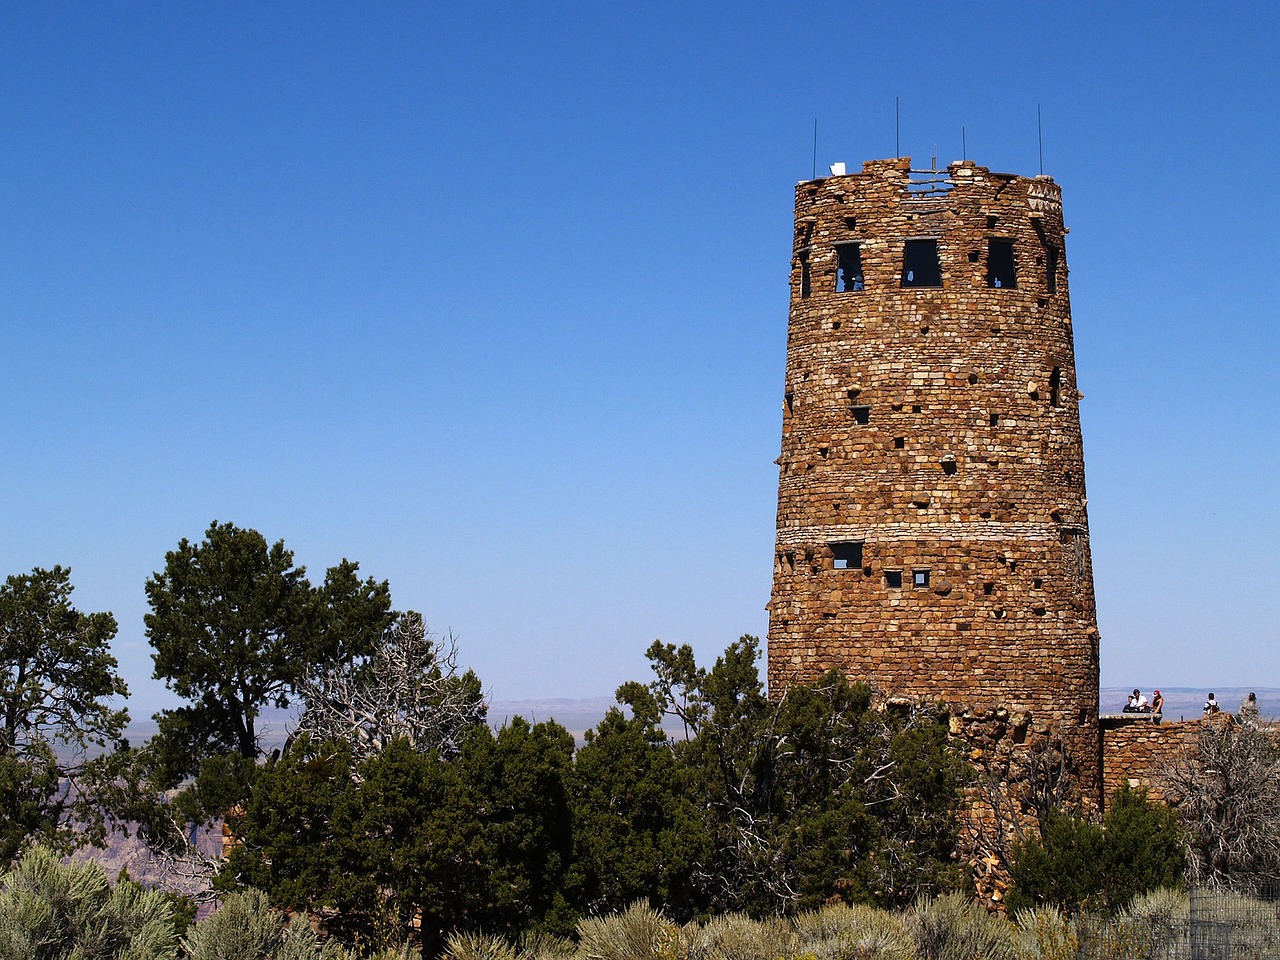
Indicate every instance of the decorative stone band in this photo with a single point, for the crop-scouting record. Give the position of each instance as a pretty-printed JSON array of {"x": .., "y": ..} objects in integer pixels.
[{"x": 946, "y": 531}]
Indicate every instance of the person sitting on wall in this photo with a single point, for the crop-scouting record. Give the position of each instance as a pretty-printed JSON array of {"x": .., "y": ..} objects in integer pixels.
[
  {"x": 1132, "y": 705},
  {"x": 1249, "y": 709},
  {"x": 1157, "y": 703},
  {"x": 1141, "y": 701},
  {"x": 1210, "y": 705}
]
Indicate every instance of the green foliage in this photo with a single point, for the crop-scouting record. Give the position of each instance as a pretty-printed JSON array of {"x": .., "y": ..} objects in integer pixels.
[
  {"x": 184, "y": 911},
  {"x": 30, "y": 803},
  {"x": 246, "y": 927},
  {"x": 1079, "y": 865},
  {"x": 297, "y": 835},
  {"x": 952, "y": 927},
  {"x": 51, "y": 911},
  {"x": 637, "y": 933},
  {"x": 1045, "y": 933},
  {"x": 480, "y": 842},
  {"x": 840, "y": 930},
  {"x": 235, "y": 626},
  {"x": 814, "y": 798},
  {"x": 57, "y": 678},
  {"x": 514, "y": 825},
  {"x": 637, "y": 834}
]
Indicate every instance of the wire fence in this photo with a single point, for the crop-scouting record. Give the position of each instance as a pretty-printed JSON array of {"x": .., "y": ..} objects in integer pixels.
[{"x": 1232, "y": 926}]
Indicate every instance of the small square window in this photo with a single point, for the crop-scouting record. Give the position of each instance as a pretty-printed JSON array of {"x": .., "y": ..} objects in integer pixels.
[
  {"x": 893, "y": 579},
  {"x": 899, "y": 442},
  {"x": 861, "y": 415},
  {"x": 920, "y": 579},
  {"x": 847, "y": 555}
]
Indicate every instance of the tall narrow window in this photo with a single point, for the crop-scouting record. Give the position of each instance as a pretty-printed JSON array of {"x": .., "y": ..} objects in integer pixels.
[
  {"x": 1055, "y": 388},
  {"x": 849, "y": 268},
  {"x": 847, "y": 555},
  {"x": 1051, "y": 269},
  {"x": 1002, "y": 271},
  {"x": 920, "y": 266},
  {"x": 805, "y": 283}
]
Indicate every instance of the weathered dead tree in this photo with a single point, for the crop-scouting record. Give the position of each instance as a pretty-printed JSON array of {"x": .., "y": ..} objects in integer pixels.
[
  {"x": 1226, "y": 789},
  {"x": 409, "y": 688}
]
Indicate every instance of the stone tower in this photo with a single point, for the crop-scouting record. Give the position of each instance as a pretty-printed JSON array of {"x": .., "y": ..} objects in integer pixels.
[{"x": 932, "y": 533}]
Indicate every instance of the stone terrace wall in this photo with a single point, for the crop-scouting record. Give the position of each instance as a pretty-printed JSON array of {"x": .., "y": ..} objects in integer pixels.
[{"x": 1134, "y": 750}]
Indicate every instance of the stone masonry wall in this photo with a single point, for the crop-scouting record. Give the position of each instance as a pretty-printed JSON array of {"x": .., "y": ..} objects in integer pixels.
[
  {"x": 1134, "y": 751},
  {"x": 932, "y": 534}
]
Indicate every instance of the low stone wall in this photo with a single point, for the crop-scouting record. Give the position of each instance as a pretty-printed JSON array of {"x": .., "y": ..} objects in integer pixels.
[{"x": 1134, "y": 748}]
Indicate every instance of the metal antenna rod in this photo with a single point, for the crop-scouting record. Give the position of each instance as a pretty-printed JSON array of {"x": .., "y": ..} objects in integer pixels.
[
  {"x": 1040, "y": 137},
  {"x": 815, "y": 148},
  {"x": 964, "y": 145},
  {"x": 897, "y": 128}
]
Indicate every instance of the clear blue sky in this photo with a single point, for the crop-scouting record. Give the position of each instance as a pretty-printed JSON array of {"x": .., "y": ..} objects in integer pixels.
[{"x": 492, "y": 298}]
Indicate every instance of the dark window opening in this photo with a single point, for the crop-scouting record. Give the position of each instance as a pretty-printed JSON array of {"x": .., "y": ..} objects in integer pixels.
[
  {"x": 1038, "y": 611},
  {"x": 920, "y": 266},
  {"x": 790, "y": 397},
  {"x": 916, "y": 408},
  {"x": 852, "y": 394},
  {"x": 1084, "y": 717},
  {"x": 991, "y": 222},
  {"x": 924, "y": 330},
  {"x": 899, "y": 442},
  {"x": 948, "y": 465},
  {"x": 835, "y": 324},
  {"x": 861, "y": 414},
  {"x": 790, "y": 560},
  {"x": 974, "y": 256},
  {"x": 1055, "y": 387},
  {"x": 824, "y": 452},
  {"x": 806, "y": 282},
  {"x": 999, "y": 614},
  {"x": 1051, "y": 270},
  {"x": 973, "y": 378},
  {"x": 988, "y": 588},
  {"x": 920, "y": 579},
  {"x": 893, "y": 579},
  {"x": 847, "y": 555},
  {"x": 1037, "y": 583},
  {"x": 995, "y": 419},
  {"x": 851, "y": 223},
  {"x": 849, "y": 268},
  {"x": 1002, "y": 271}
]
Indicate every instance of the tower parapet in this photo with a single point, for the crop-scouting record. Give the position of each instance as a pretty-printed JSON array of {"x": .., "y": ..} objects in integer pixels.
[{"x": 932, "y": 534}]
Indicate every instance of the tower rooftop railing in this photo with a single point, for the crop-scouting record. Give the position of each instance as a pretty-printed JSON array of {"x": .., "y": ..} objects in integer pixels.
[{"x": 928, "y": 184}]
